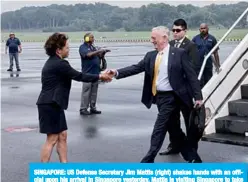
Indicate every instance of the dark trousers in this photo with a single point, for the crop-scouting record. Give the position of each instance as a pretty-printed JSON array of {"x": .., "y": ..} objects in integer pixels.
[
  {"x": 190, "y": 131},
  {"x": 206, "y": 75},
  {"x": 193, "y": 134},
  {"x": 168, "y": 111}
]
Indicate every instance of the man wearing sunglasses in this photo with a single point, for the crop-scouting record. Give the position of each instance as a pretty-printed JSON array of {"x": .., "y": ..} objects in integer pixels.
[
  {"x": 205, "y": 43},
  {"x": 181, "y": 41}
]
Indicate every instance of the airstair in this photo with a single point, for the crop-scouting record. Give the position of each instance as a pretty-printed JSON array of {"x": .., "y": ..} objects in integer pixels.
[{"x": 226, "y": 96}]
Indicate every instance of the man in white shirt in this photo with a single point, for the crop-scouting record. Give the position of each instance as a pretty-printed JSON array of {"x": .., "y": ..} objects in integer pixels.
[
  {"x": 181, "y": 41},
  {"x": 165, "y": 85}
]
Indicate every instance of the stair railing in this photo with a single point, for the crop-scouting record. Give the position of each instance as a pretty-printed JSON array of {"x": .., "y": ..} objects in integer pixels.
[{"x": 219, "y": 42}]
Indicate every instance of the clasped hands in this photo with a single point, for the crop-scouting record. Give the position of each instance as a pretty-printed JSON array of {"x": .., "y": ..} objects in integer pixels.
[{"x": 107, "y": 75}]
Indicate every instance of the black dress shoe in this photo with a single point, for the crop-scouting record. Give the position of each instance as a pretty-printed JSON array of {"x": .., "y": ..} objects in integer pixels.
[
  {"x": 147, "y": 162},
  {"x": 94, "y": 111},
  {"x": 170, "y": 151},
  {"x": 195, "y": 161},
  {"x": 84, "y": 112},
  {"x": 9, "y": 70}
]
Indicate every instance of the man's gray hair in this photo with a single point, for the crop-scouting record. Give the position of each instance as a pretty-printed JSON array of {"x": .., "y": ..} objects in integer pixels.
[{"x": 163, "y": 29}]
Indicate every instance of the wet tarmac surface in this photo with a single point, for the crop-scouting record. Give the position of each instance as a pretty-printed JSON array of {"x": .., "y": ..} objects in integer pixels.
[{"x": 120, "y": 134}]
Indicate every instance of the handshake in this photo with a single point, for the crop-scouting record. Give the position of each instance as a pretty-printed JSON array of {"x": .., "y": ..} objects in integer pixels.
[{"x": 107, "y": 75}]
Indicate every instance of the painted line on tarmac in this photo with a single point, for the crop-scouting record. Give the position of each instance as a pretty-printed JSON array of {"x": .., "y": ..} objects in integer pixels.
[{"x": 19, "y": 129}]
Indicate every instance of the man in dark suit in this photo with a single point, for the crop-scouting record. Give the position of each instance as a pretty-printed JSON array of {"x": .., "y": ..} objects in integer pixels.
[
  {"x": 181, "y": 41},
  {"x": 168, "y": 72}
]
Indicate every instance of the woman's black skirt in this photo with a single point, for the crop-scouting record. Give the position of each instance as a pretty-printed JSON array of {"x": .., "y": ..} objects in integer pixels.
[{"x": 51, "y": 119}]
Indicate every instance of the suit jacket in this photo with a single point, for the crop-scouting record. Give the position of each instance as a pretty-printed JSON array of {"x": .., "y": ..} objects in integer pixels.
[
  {"x": 191, "y": 48},
  {"x": 56, "y": 78},
  {"x": 180, "y": 72}
]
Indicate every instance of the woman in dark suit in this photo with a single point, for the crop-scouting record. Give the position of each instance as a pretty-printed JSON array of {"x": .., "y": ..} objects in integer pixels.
[{"x": 57, "y": 75}]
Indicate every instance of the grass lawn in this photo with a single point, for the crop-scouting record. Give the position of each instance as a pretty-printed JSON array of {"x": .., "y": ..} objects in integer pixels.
[{"x": 77, "y": 36}]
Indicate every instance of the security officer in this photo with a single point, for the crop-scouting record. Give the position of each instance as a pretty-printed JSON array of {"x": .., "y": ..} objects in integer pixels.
[
  {"x": 90, "y": 61},
  {"x": 181, "y": 41},
  {"x": 205, "y": 43}
]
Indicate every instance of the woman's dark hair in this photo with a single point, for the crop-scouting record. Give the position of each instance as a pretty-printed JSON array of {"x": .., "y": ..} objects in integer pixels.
[{"x": 54, "y": 42}]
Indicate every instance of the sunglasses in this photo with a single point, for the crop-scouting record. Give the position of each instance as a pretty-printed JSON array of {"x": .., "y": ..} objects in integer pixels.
[{"x": 177, "y": 30}]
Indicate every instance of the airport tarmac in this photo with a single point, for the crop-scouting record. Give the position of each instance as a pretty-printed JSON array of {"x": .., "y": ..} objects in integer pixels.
[{"x": 120, "y": 134}]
